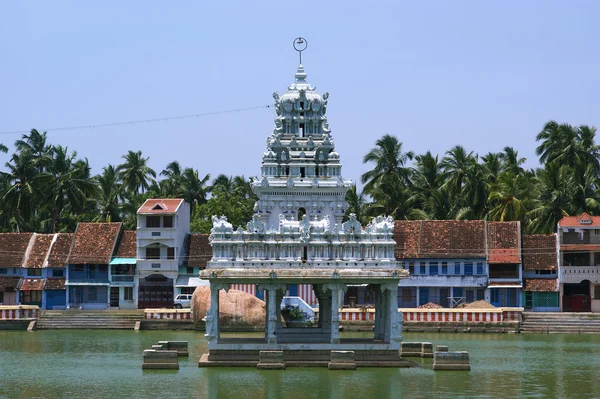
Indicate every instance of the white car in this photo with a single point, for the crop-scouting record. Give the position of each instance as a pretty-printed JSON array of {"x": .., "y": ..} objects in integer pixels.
[{"x": 183, "y": 301}]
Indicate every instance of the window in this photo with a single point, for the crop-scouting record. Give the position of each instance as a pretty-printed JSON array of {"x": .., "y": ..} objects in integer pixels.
[
  {"x": 1, "y": 296},
  {"x": 188, "y": 290},
  {"x": 58, "y": 273},
  {"x": 34, "y": 272},
  {"x": 423, "y": 296},
  {"x": 92, "y": 271},
  {"x": 189, "y": 270},
  {"x": 92, "y": 294},
  {"x": 422, "y": 268},
  {"x": 411, "y": 267},
  {"x": 545, "y": 272},
  {"x": 470, "y": 296},
  {"x": 479, "y": 268},
  {"x": 128, "y": 293},
  {"x": 152, "y": 221},
  {"x": 406, "y": 295},
  {"x": 468, "y": 269},
  {"x": 167, "y": 221},
  {"x": 596, "y": 292},
  {"x": 153, "y": 253},
  {"x": 480, "y": 294},
  {"x": 78, "y": 268},
  {"x": 3, "y": 270},
  {"x": 433, "y": 268},
  {"x": 456, "y": 268},
  {"x": 444, "y": 267},
  {"x": 31, "y": 296},
  {"x": 170, "y": 253}
]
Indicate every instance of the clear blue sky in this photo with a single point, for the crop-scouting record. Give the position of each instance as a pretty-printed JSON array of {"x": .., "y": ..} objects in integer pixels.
[{"x": 483, "y": 74}]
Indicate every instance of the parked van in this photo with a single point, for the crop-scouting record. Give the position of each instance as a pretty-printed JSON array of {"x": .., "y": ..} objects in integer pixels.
[{"x": 183, "y": 301}]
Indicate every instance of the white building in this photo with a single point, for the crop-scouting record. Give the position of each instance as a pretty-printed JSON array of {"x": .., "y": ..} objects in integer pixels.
[{"x": 162, "y": 225}]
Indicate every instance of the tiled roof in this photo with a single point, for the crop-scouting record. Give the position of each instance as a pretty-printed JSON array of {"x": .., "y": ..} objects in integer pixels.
[
  {"x": 54, "y": 283},
  {"x": 541, "y": 285},
  {"x": 60, "y": 250},
  {"x": 9, "y": 282},
  {"x": 128, "y": 244},
  {"x": 503, "y": 241},
  {"x": 200, "y": 250},
  {"x": 157, "y": 205},
  {"x": 12, "y": 248},
  {"x": 94, "y": 243},
  {"x": 38, "y": 252},
  {"x": 539, "y": 251},
  {"x": 583, "y": 220},
  {"x": 440, "y": 238},
  {"x": 31, "y": 284}
]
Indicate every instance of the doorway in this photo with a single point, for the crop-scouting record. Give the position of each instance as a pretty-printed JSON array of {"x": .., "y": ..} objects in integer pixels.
[{"x": 114, "y": 297}]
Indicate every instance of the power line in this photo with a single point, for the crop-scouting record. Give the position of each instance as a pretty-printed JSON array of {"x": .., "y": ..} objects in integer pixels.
[{"x": 141, "y": 121}]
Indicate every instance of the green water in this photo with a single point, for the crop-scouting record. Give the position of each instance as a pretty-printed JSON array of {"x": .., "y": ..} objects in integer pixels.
[{"x": 107, "y": 364}]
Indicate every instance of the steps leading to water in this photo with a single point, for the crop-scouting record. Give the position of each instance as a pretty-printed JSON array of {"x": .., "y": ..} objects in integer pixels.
[
  {"x": 560, "y": 323},
  {"x": 89, "y": 320}
]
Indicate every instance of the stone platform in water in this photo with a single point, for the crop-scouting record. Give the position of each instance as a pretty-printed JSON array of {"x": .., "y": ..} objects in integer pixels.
[
  {"x": 304, "y": 358},
  {"x": 160, "y": 359}
]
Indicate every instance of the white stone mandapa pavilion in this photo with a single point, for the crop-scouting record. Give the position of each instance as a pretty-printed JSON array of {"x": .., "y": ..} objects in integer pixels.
[{"x": 297, "y": 236}]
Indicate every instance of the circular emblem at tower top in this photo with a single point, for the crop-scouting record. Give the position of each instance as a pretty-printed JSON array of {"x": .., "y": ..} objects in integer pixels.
[{"x": 300, "y": 44}]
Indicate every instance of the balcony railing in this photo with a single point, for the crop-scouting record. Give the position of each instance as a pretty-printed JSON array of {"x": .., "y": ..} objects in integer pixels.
[
  {"x": 504, "y": 274},
  {"x": 576, "y": 274},
  {"x": 122, "y": 278}
]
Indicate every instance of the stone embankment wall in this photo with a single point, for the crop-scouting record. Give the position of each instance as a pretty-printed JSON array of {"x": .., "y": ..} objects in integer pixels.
[{"x": 19, "y": 312}]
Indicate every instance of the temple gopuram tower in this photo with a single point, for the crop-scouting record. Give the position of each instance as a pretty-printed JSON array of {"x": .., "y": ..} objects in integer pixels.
[{"x": 298, "y": 236}]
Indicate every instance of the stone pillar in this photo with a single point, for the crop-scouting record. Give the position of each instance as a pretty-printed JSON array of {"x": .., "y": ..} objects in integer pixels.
[
  {"x": 335, "y": 290},
  {"x": 378, "y": 331},
  {"x": 212, "y": 315},
  {"x": 274, "y": 295}
]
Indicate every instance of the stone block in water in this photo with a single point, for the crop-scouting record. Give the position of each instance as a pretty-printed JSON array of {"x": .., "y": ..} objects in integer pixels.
[
  {"x": 451, "y": 361},
  {"x": 410, "y": 349},
  {"x": 342, "y": 360},
  {"x": 270, "y": 360},
  {"x": 180, "y": 346},
  {"x": 441, "y": 348},
  {"x": 160, "y": 359},
  {"x": 426, "y": 349}
]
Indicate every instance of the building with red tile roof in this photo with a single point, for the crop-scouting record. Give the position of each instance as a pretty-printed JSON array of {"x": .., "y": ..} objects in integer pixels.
[
  {"x": 459, "y": 260},
  {"x": 94, "y": 243},
  {"x": 160, "y": 206}
]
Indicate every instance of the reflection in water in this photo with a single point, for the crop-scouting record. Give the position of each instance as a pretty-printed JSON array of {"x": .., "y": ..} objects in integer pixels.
[{"x": 108, "y": 364}]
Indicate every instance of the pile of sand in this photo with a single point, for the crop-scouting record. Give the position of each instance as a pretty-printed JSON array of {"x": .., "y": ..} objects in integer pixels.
[
  {"x": 477, "y": 305},
  {"x": 430, "y": 305}
]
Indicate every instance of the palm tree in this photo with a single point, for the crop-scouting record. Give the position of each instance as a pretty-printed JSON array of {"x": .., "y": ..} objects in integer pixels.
[
  {"x": 389, "y": 160},
  {"x": 457, "y": 164},
  {"x": 492, "y": 165},
  {"x": 134, "y": 173},
  {"x": 510, "y": 196},
  {"x": 390, "y": 197},
  {"x": 194, "y": 189},
  {"x": 566, "y": 144},
  {"x": 67, "y": 184},
  {"x": 585, "y": 197},
  {"x": 3, "y": 148},
  {"x": 356, "y": 205},
  {"x": 108, "y": 196},
  {"x": 20, "y": 191},
  {"x": 511, "y": 161},
  {"x": 36, "y": 144},
  {"x": 555, "y": 185},
  {"x": 172, "y": 185}
]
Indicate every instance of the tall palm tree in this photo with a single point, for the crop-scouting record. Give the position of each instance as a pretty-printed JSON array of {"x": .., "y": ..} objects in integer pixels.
[
  {"x": 510, "y": 196},
  {"x": 36, "y": 144},
  {"x": 134, "y": 173},
  {"x": 108, "y": 196},
  {"x": 511, "y": 161},
  {"x": 3, "y": 148},
  {"x": 194, "y": 189},
  {"x": 172, "y": 185},
  {"x": 356, "y": 205},
  {"x": 390, "y": 197},
  {"x": 457, "y": 164},
  {"x": 20, "y": 190},
  {"x": 389, "y": 160},
  {"x": 492, "y": 166},
  {"x": 556, "y": 187},
  {"x": 67, "y": 184}
]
